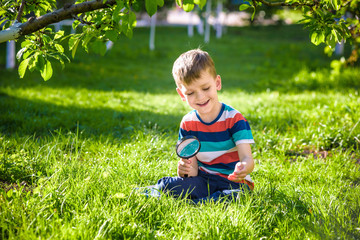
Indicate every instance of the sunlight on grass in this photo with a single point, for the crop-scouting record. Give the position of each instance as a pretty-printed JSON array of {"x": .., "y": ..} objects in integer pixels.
[{"x": 73, "y": 149}]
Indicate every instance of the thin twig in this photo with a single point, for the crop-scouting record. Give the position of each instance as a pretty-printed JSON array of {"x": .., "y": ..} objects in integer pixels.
[
  {"x": 21, "y": 10},
  {"x": 284, "y": 4},
  {"x": 81, "y": 19}
]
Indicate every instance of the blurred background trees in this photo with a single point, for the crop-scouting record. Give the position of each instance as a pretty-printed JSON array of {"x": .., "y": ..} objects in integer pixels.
[{"x": 95, "y": 23}]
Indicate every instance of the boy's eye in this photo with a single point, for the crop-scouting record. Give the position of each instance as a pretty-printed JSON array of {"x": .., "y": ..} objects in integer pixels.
[
  {"x": 205, "y": 89},
  {"x": 190, "y": 93}
]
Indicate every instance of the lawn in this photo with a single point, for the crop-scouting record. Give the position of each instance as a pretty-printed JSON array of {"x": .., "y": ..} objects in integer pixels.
[{"x": 73, "y": 149}]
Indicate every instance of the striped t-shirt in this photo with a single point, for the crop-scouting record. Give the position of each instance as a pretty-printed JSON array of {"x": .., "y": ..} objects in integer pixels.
[{"x": 218, "y": 153}]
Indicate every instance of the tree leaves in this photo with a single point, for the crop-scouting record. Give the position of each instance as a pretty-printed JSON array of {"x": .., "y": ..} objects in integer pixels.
[
  {"x": 98, "y": 47},
  {"x": 247, "y": 5},
  {"x": 323, "y": 18},
  {"x": 22, "y": 67},
  {"x": 111, "y": 35},
  {"x": 151, "y": 6},
  {"x": 243, "y": 7},
  {"x": 59, "y": 48},
  {"x": 74, "y": 43},
  {"x": 188, "y": 5},
  {"x": 36, "y": 62},
  {"x": 200, "y": 3},
  {"x": 47, "y": 71}
]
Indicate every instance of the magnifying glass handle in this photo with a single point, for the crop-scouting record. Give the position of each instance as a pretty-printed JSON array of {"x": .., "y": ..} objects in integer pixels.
[{"x": 186, "y": 175}]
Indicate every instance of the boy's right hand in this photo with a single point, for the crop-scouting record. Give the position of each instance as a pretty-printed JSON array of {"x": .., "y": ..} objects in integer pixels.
[{"x": 187, "y": 166}]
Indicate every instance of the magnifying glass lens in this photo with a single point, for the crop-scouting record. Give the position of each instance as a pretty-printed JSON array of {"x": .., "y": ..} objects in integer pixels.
[{"x": 188, "y": 147}]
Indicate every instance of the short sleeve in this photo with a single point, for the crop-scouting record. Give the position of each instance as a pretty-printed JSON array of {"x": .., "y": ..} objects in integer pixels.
[{"x": 240, "y": 130}]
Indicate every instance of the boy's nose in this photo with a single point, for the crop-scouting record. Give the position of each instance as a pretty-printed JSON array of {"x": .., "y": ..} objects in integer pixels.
[{"x": 199, "y": 95}]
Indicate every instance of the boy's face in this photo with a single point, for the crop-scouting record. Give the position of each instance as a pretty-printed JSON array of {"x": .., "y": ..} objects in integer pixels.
[{"x": 201, "y": 94}]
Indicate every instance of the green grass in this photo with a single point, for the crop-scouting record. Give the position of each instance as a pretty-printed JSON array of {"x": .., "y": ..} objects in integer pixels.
[{"x": 73, "y": 149}]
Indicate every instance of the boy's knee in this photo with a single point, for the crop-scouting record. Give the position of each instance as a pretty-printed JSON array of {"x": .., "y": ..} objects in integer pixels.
[
  {"x": 167, "y": 183},
  {"x": 176, "y": 186}
]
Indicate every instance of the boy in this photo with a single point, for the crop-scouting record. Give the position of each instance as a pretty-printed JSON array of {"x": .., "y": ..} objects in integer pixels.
[{"x": 225, "y": 160}]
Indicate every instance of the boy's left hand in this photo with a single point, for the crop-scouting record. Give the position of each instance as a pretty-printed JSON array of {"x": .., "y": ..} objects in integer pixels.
[
  {"x": 245, "y": 165},
  {"x": 239, "y": 173}
]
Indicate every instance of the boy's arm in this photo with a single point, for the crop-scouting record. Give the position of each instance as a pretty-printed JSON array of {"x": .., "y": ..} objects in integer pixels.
[
  {"x": 245, "y": 165},
  {"x": 187, "y": 166}
]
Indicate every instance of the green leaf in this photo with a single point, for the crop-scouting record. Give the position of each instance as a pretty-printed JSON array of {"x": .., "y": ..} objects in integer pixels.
[
  {"x": 336, "y": 4},
  {"x": 314, "y": 37},
  {"x": 116, "y": 14},
  {"x": 328, "y": 51},
  {"x": 47, "y": 71},
  {"x": 75, "y": 24},
  {"x": 59, "y": 48},
  {"x": 179, "y": 3},
  {"x": 46, "y": 38},
  {"x": 188, "y": 7},
  {"x": 88, "y": 37},
  {"x": 317, "y": 38},
  {"x": 200, "y": 3},
  {"x": 244, "y": 7},
  {"x": 10, "y": 193},
  {"x": 132, "y": 19},
  {"x": 59, "y": 34},
  {"x": 331, "y": 40},
  {"x": 22, "y": 67},
  {"x": 111, "y": 35},
  {"x": 129, "y": 33},
  {"x": 151, "y": 7},
  {"x": 25, "y": 43},
  {"x": 34, "y": 62},
  {"x": 160, "y": 3},
  {"x": 73, "y": 43},
  {"x": 125, "y": 25},
  {"x": 39, "y": 62},
  {"x": 20, "y": 53},
  {"x": 337, "y": 35},
  {"x": 99, "y": 47},
  {"x": 27, "y": 54},
  {"x": 2, "y": 11}
]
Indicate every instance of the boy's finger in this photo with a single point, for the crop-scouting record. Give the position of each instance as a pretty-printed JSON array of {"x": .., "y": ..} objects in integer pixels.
[
  {"x": 234, "y": 179},
  {"x": 241, "y": 174},
  {"x": 184, "y": 168},
  {"x": 240, "y": 165}
]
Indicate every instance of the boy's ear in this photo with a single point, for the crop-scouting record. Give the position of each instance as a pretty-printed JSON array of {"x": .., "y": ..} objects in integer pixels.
[
  {"x": 181, "y": 94},
  {"x": 218, "y": 82}
]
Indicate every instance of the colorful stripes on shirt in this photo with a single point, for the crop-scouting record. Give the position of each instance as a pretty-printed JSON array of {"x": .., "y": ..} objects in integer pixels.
[{"x": 218, "y": 154}]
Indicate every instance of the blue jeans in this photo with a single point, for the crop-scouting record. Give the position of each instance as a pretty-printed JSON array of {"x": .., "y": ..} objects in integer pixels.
[{"x": 203, "y": 187}]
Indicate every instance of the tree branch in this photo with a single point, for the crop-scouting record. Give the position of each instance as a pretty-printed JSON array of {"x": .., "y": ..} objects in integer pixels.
[
  {"x": 63, "y": 14},
  {"x": 21, "y": 10},
  {"x": 33, "y": 25},
  {"x": 284, "y": 4}
]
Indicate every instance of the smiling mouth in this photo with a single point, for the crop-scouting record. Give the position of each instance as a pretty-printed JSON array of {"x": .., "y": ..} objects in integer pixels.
[{"x": 204, "y": 104}]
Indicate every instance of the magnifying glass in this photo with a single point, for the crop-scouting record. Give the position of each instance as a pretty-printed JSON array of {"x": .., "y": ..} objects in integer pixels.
[{"x": 187, "y": 147}]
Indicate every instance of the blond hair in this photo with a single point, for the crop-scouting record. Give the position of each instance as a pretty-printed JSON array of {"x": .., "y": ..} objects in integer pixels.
[{"x": 189, "y": 65}]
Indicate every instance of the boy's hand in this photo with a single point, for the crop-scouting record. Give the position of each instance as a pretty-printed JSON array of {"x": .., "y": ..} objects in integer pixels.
[
  {"x": 246, "y": 164},
  {"x": 239, "y": 173},
  {"x": 187, "y": 166}
]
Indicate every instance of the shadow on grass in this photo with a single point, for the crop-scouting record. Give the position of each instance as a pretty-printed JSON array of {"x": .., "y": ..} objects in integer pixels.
[
  {"x": 20, "y": 117},
  {"x": 28, "y": 125}
]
